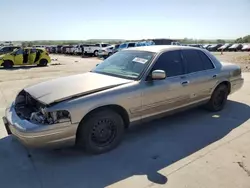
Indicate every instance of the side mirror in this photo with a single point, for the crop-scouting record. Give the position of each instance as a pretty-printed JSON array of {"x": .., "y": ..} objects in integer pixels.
[{"x": 158, "y": 75}]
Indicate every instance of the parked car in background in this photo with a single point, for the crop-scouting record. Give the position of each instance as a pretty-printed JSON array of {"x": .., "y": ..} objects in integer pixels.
[
  {"x": 206, "y": 46},
  {"x": 52, "y": 49},
  {"x": 93, "y": 109},
  {"x": 63, "y": 48},
  {"x": 235, "y": 47},
  {"x": 69, "y": 49},
  {"x": 25, "y": 56},
  {"x": 224, "y": 47},
  {"x": 175, "y": 43},
  {"x": 93, "y": 49},
  {"x": 39, "y": 46},
  {"x": 127, "y": 45},
  {"x": 78, "y": 49},
  {"x": 7, "y": 49},
  {"x": 144, "y": 43},
  {"x": 6, "y": 43},
  {"x": 196, "y": 45},
  {"x": 246, "y": 47},
  {"x": 59, "y": 49},
  {"x": 107, "y": 51},
  {"x": 214, "y": 47}
]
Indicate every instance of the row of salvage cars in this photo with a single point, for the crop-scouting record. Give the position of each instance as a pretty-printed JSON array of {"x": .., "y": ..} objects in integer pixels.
[
  {"x": 92, "y": 110},
  {"x": 102, "y": 50},
  {"x": 227, "y": 47}
]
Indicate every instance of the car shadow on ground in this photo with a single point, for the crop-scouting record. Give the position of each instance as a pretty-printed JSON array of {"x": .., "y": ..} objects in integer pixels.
[{"x": 146, "y": 149}]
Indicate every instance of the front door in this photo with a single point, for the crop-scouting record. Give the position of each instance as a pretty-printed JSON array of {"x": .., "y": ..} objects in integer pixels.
[
  {"x": 160, "y": 96},
  {"x": 18, "y": 57}
]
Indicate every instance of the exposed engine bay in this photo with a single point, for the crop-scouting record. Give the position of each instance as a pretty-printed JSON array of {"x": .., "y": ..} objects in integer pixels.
[{"x": 31, "y": 109}]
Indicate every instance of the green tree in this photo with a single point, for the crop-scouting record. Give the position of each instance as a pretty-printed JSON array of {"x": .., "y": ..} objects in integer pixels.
[{"x": 220, "y": 41}]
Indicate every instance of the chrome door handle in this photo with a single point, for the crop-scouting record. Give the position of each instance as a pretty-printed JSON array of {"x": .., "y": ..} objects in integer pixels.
[{"x": 184, "y": 83}]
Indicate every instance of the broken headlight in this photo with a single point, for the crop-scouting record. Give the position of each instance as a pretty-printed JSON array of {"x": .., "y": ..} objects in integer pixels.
[{"x": 44, "y": 117}]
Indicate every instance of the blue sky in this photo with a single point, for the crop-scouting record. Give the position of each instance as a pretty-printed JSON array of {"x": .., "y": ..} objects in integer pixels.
[{"x": 123, "y": 19}]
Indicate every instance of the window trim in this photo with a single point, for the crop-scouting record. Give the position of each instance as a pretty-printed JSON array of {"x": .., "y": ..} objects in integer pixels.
[
  {"x": 150, "y": 67},
  {"x": 198, "y": 54}
]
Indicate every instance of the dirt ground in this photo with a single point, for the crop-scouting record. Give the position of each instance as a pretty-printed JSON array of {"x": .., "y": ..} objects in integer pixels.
[{"x": 240, "y": 58}]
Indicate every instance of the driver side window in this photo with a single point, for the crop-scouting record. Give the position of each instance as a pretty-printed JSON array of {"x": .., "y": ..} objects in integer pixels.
[{"x": 171, "y": 62}]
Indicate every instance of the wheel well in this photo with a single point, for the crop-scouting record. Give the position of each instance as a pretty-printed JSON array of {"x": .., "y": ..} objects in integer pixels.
[
  {"x": 226, "y": 83},
  {"x": 116, "y": 108}
]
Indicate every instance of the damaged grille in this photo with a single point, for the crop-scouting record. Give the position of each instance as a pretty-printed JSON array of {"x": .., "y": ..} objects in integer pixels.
[{"x": 25, "y": 105}]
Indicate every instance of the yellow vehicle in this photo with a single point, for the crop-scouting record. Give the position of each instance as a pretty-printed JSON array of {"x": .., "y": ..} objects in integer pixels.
[{"x": 25, "y": 56}]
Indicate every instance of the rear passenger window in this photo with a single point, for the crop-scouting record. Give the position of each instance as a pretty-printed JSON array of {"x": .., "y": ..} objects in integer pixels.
[
  {"x": 193, "y": 59},
  {"x": 33, "y": 51},
  {"x": 207, "y": 64},
  {"x": 171, "y": 62}
]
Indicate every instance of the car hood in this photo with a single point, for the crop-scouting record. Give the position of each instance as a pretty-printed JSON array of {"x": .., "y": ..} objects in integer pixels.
[{"x": 73, "y": 86}]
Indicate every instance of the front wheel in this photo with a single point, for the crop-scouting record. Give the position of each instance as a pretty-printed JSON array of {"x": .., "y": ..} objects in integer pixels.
[
  {"x": 218, "y": 98},
  {"x": 100, "y": 132}
]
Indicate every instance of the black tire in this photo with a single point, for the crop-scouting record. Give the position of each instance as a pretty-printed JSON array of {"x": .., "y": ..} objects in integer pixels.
[
  {"x": 7, "y": 64},
  {"x": 96, "y": 53},
  {"x": 91, "y": 132},
  {"x": 218, "y": 98},
  {"x": 109, "y": 54},
  {"x": 43, "y": 62}
]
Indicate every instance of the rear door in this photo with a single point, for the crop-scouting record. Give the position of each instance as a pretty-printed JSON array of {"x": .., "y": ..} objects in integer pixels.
[
  {"x": 201, "y": 74},
  {"x": 32, "y": 56},
  {"x": 159, "y": 96}
]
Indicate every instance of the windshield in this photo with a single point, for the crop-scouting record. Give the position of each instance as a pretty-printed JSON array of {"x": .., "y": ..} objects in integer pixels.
[{"x": 125, "y": 64}]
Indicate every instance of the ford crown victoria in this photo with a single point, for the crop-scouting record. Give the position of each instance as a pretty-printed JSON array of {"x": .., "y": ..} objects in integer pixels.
[{"x": 93, "y": 109}]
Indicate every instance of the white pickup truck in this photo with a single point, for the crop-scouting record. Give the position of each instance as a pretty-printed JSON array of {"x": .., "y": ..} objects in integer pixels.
[{"x": 93, "y": 49}]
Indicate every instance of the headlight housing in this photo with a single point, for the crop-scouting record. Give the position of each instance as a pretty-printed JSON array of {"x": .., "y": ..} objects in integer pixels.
[{"x": 44, "y": 117}]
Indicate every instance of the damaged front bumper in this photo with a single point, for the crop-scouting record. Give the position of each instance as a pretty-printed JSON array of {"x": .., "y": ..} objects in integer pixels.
[{"x": 38, "y": 135}]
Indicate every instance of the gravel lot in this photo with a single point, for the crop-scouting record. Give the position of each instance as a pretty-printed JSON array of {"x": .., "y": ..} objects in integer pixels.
[
  {"x": 240, "y": 58},
  {"x": 193, "y": 149}
]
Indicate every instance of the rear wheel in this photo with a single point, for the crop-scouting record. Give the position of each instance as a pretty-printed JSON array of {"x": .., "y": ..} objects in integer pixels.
[
  {"x": 218, "y": 98},
  {"x": 7, "y": 64},
  {"x": 100, "y": 132},
  {"x": 43, "y": 62}
]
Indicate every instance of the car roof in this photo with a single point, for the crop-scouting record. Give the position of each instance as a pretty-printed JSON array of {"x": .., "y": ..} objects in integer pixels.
[{"x": 161, "y": 48}]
